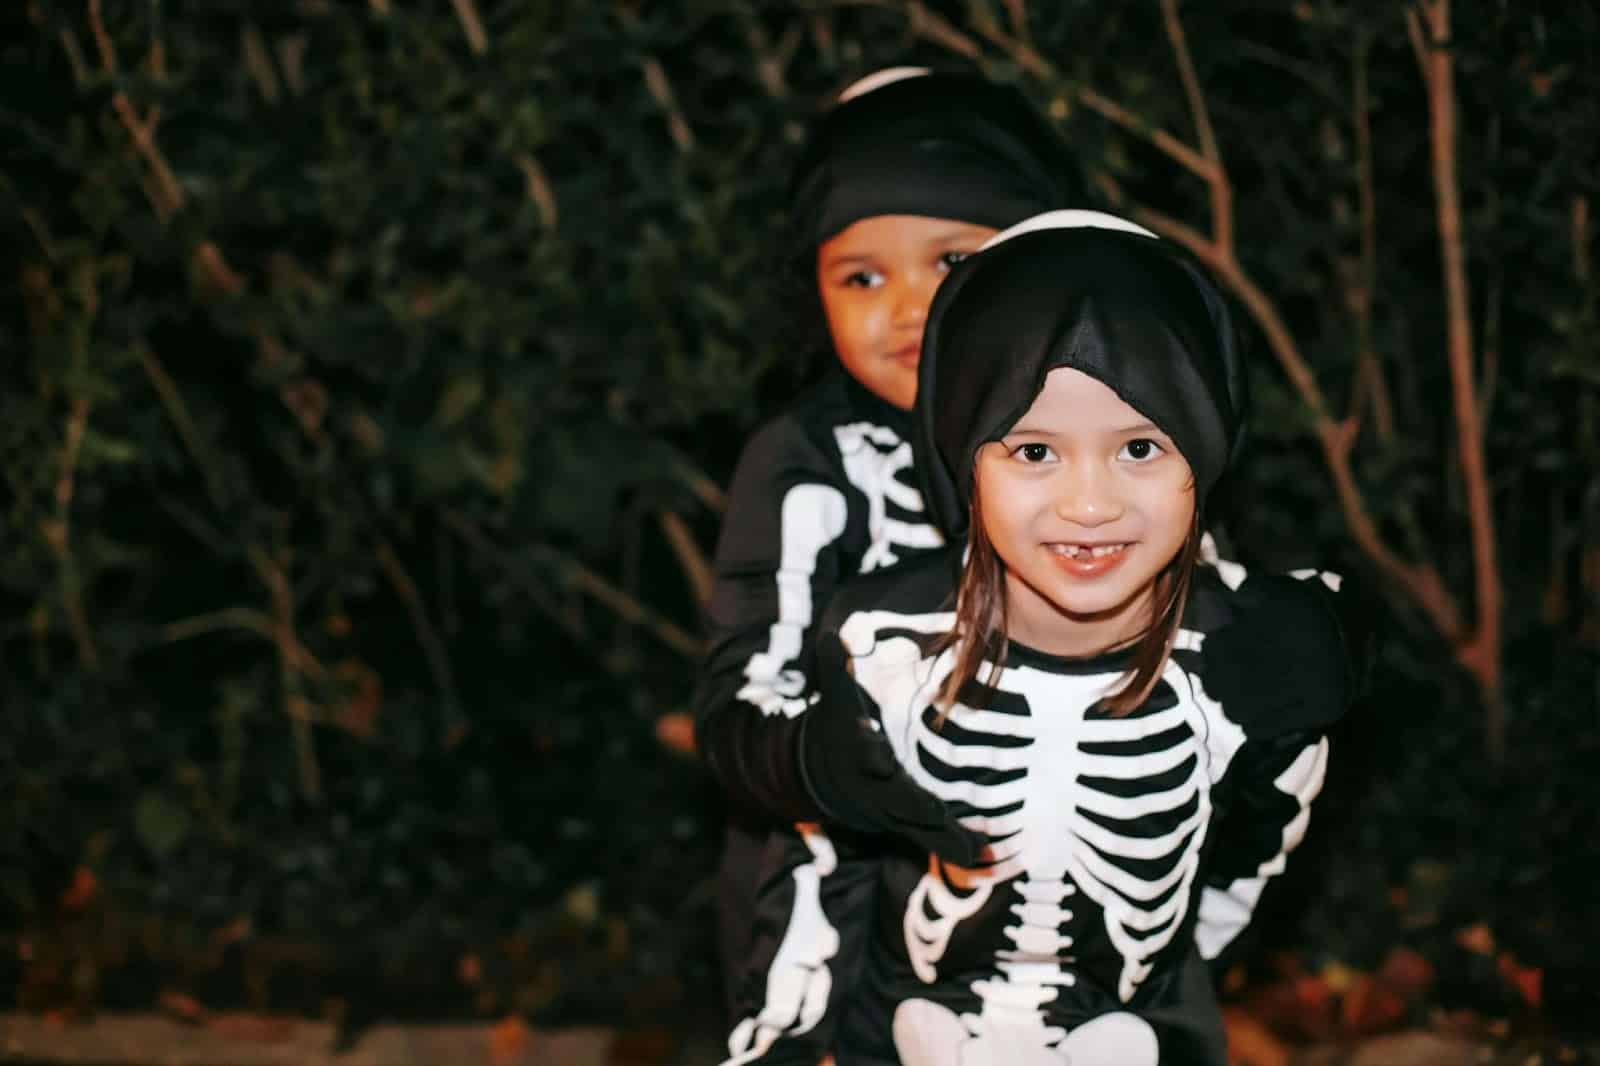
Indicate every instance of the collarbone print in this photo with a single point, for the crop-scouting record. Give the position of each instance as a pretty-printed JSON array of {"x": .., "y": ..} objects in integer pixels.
[{"x": 879, "y": 464}]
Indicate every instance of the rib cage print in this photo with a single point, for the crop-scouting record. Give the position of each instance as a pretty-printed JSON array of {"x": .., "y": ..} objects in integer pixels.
[{"x": 1093, "y": 821}]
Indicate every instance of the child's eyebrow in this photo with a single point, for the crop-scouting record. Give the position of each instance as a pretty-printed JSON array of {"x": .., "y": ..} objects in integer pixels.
[
  {"x": 1022, "y": 429},
  {"x": 847, "y": 259}
]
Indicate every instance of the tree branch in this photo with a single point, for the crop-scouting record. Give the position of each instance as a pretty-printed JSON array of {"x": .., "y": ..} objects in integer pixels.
[
  {"x": 538, "y": 188},
  {"x": 1421, "y": 583},
  {"x": 472, "y": 26},
  {"x": 1221, "y": 188},
  {"x": 433, "y": 648},
  {"x": 626, "y": 607},
  {"x": 1370, "y": 378},
  {"x": 295, "y": 706},
  {"x": 1481, "y": 653},
  {"x": 691, "y": 560},
  {"x": 58, "y": 535},
  {"x": 178, "y": 411},
  {"x": 258, "y": 61}
]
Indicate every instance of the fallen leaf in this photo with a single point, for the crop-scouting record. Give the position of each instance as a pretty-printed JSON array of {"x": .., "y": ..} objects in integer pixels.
[
  {"x": 260, "y": 1028},
  {"x": 469, "y": 969},
  {"x": 1368, "y": 1006},
  {"x": 183, "y": 1007},
  {"x": 509, "y": 1041},
  {"x": 1406, "y": 971},
  {"x": 1527, "y": 980},
  {"x": 1250, "y": 1043},
  {"x": 675, "y": 731},
  {"x": 1477, "y": 939},
  {"x": 82, "y": 891}
]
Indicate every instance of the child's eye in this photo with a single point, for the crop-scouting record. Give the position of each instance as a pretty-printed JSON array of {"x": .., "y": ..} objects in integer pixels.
[
  {"x": 863, "y": 279},
  {"x": 1141, "y": 450},
  {"x": 1033, "y": 453},
  {"x": 950, "y": 259}
]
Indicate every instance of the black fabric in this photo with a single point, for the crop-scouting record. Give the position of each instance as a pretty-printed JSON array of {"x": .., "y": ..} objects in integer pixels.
[
  {"x": 750, "y": 692},
  {"x": 941, "y": 145},
  {"x": 1276, "y": 654},
  {"x": 851, "y": 771},
  {"x": 1130, "y": 311},
  {"x": 1227, "y": 783}
]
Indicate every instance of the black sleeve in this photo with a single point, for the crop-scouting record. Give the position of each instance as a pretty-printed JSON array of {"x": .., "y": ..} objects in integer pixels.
[
  {"x": 778, "y": 562},
  {"x": 1274, "y": 781},
  {"x": 813, "y": 922}
]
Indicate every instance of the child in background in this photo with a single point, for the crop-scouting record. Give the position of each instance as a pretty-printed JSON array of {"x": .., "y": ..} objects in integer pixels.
[
  {"x": 909, "y": 173},
  {"x": 1136, "y": 738}
]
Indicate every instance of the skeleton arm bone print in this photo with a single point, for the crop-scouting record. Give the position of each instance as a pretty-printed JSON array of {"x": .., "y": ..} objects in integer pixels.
[{"x": 779, "y": 557}]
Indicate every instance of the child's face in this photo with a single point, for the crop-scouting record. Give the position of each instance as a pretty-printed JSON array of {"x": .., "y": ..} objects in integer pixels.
[
  {"x": 1085, "y": 501},
  {"x": 877, "y": 278}
]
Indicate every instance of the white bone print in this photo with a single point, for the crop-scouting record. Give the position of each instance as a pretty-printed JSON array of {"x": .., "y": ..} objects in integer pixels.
[
  {"x": 930, "y": 1034},
  {"x": 873, "y": 456}
]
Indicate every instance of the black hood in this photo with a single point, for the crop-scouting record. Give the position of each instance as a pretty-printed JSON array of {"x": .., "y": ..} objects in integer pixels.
[
  {"x": 1131, "y": 311},
  {"x": 940, "y": 145}
]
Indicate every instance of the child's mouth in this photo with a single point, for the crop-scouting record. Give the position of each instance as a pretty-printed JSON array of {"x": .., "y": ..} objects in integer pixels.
[
  {"x": 907, "y": 356},
  {"x": 1088, "y": 560}
]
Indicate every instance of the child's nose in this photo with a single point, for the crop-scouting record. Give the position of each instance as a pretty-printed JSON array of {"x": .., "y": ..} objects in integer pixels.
[
  {"x": 1085, "y": 497},
  {"x": 911, "y": 302}
]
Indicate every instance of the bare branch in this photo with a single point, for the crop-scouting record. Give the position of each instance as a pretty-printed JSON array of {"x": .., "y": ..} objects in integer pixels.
[
  {"x": 75, "y": 58},
  {"x": 1580, "y": 238},
  {"x": 1421, "y": 584},
  {"x": 292, "y": 57},
  {"x": 214, "y": 269},
  {"x": 1371, "y": 380},
  {"x": 178, "y": 411},
  {"x": 655, "y": 79},
  {"x": 258, "y": 61},
  {"x": 1481, "y": 654},
  {"x": 705, "y": 490},
  {"x": 246, "y": 619},
  {"x": 570, "y": 622},
  {"x": 626, "y": 607},
  {"x": 1175, "y": 149},
  {"x": 433, "y": 648},
  {"x": 168, "y": 195},
  {"x": 696, "y": 569},
  {"x": 1017, "y": 13},
  {"x": 472, "y": 26},
  {"x": 57, "y": 533},
  {"x": 295, "y": 706},
  {"x": 539, "y": 188},
  {"x": 1221, "y": 188},
  {"x": 102, "y": 40},
  {"x": 771, "y": 63}
]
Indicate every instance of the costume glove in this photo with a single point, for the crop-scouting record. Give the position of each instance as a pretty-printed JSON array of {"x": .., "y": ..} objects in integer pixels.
[{"x": 854, "y": 777}]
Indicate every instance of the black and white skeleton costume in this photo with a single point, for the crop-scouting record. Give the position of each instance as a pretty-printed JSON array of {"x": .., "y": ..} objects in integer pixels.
[
  {"x": 1125, "y": 851},
  {"x": 827, "y": 490}
]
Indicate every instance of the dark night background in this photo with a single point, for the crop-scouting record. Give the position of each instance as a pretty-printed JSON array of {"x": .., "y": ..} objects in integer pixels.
[{"x": 373, "y": 369}]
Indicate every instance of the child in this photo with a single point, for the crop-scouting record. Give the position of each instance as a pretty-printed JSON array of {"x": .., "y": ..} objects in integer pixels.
[
  {"x": 1137, "y": 740},
  {"x": 910, "y": 172}
]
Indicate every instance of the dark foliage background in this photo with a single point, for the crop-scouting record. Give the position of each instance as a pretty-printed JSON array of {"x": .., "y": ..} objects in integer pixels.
[{"x": 372, "y": 369}]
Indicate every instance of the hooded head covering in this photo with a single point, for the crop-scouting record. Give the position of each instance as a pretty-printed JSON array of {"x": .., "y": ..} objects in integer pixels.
[
  {"x": 907, "y": 141},
  {"x": 1084, "y": 290}
]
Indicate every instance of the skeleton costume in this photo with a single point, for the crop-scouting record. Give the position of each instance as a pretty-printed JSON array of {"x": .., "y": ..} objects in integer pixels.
[
  {"x": 827, "y": 490},
  {"x": 1125, "y": 851}
]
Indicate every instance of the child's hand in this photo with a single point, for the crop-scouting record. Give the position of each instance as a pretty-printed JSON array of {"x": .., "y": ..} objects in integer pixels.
[{"x": 855, "y": 778}]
